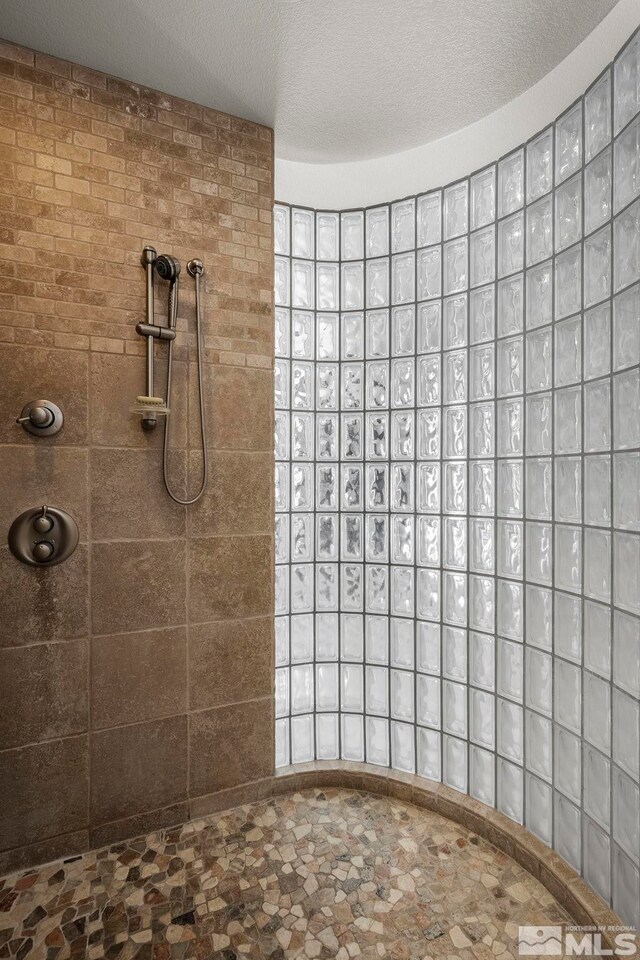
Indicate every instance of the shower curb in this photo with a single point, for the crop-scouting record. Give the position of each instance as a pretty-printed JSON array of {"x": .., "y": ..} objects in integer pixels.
[{"x": 582, "y": 903}]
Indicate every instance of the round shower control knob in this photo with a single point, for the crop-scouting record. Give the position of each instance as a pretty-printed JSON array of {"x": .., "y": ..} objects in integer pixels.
[
  {"x": 43, "y": 523},
  {"x": 42, "y": 418},
  {"x": 43, "y": 551}
]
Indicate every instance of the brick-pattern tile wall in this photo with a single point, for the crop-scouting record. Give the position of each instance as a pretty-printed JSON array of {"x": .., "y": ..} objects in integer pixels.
[{"x": 137, "y": 677}]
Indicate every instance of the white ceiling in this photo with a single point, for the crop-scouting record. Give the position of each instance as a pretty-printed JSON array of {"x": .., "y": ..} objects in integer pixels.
[{"x": 337, "y": 79}]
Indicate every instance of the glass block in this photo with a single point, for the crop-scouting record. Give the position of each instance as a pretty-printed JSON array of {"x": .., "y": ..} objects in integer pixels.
[
  {"x": 378, "y": 232},
  {"x": 402, "y": 539},
  {"x": 539, "y": 681},
  {"x": 510, "y": 609},
  {"x": 455, "y": 266},
  {"x": 567, "y": 831},
  {"x": 456, "y": 218},
  {"x": 326, "y": 386},
  {"x": 567, "y": 696},
  {"x": 403, "y": 229},
  {"x": 377, "y": 631},
  {"x": 327, "y": 233},
  {"x": 482, "y": 775},
  {"x": 568, "y": 555},
  {"x": 352, "y": 232},
  {"x": 327, "y": 437},
  {"x": 281, "y": 435},
  {"x": 429, "y": 751},
  {"x": 429, "y": 327},
  {"x": 510, "y": 549},
  {"x": 539, "y": 361},
  {"x": 597, "y": 860},
  {"x": 351, "y": 429},
  {"x": 568, "y": 489},
  {"x": 597, "y": 719},
  {"x": 538, "y": 734},
  {"x": 455, "y": 431},
  {"x": 482, "y": 661},
  {"x": 352, "y": 687},
  {"x": 302, "y": 537},
  {"x": 377, "y": 329},
  {"x": 626, "y": 328},
  {"x": 454, "y": 763},
  {"x": 597, "y": 416},
  {"x": 568, "y": 278},
  {"x": 429, "y": 218},
  {"x": 539, "y": 558},
  {"x": 327, "y": 738},
  {"x": 509, "y": 364},
  {"x": 302, "y": 284},
  {"x": 510, "y": 306},
  {"x": 511, "y": 183},
  {"x": 626, "y": 888},
  {"x": 327, "y": 337},
  {"x": 482, "y": 256},
  {"x": 352, "y": 729},
  {"x": 377, "y": 539},
  {"x": 539, "y": 809},
  {"x": 402, "y": 435},
  {"x": 539, "y": 617},
  {"x": 429, "y": 434},
  {"x": 428, "y": 541},
  {"x": 510, "y": 790},
  {"x": 402, "y": 497},
  {"x": 327, "y": 286},
  {"x": 281, "y": 229},
  {"x": 482, "y": 603},
  {"x": 481, "y": 370},
  {"x": 282, "y": 743},
  {"x": 455, "y": 598},
  {"x": 352, "y": 380},
  {"x": 403, "y": 278},
  {"x": 626, "y": 559},
  {"x": 281, "y": 332},
  {"x": 538, "y": 473},
  {"x": 597, "y": 116},
  {"x": 327, "y": 692},
  {"x": 428, "y": 484},
  {"x": 302, "y": 386},
  {"x": 326, "y": 587},
  {"x": 326, "y": 636},
  {"x": 429, "y": 273},
  {"x": 454, "y": 708},
  {"x": 626, "y": 410},
  {"x": 510, "y": 670},
  {"x": 482, "y": 318},
  {"x": 626, "y": 79},
  {"x": 302, "y": 688},
  {"x": 281, "y": 641},
  {"x": 510, "y": 245},
  {"x": 540, "y": 165},
  {"x": 626, "y": 732},
  {"x": 282, "y": 282},
  {"x": 402, "y": 695},
  {"x": 626, "y": 660},
  {"x": 510, "y": 488},
  {"x": 302, "y": 587},
  {"x": 539, "y": 231},
  {"x": 455, "y": 379},
  {"x": 597, "y": 774},
  {"x": 510, "y": 427},
  {"x": 539, "y": 299},
  {"x": 455, "y": 322},
  {"x": 403, "y": 331},
  {"x": 597, "y": 267},
  {"x": 327, "y": 488},
  {"x": 281, "y": 486},
  {"x": 402, "y": 591},
  {"x": 567, "y": 763},
  {"x": 428, "y": 648},
  {"x": 351, "y": 537},
  {"x": 568, "y": 211},
  {"x": 377, "y": 741},
  {"x": 597, "y": 345},
  {"x": 569, "y": 142},
  {"x": 597, "y": 192},
  {"x": 510, "y": 724},
  {"x": 454, "y": 653},
  {"x": 282, "y": 692},
  {"x": 568, "y": 420},
  {"x": 302, "y": 233},
  {"x": 482, "y": 430},
  {"x": 626, "y": 238},
  {"x": 352, "y": 286},
  {"x": 455, "y": 490},
  {"x": 302, "y": 335},
  {"x": 483, "y": 197},
  {"x": 402, "y": 383},
  {"x": 378, "y": 283},
  {"x": 597, "y": 497},
  {"x": 568, "y": 626},
  {"x": 377, "y": 588},
  {"x": 428, "y": 700},
  {"x": 597, "y": 638}
]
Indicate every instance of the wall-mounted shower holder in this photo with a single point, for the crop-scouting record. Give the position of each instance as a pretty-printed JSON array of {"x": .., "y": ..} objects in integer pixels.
[{"x": 43, "y": 536}]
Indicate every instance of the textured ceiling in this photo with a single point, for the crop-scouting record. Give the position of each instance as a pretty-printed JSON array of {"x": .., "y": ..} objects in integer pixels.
[{"x": 337, "y": 79}]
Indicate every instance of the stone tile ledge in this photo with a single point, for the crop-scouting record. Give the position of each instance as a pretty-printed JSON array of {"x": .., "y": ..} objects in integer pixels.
[{"x": 585, "y": 906}]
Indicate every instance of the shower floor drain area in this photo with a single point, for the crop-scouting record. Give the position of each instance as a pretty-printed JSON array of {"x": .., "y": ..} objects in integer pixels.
[{"x": 316, "y": 874}]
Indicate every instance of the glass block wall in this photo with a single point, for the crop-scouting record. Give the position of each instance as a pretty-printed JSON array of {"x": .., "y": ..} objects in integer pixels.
[{"x": 458, "y": 484}]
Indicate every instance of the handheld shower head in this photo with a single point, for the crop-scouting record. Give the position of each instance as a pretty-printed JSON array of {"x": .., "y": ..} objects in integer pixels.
[{"x": 167, "y": 268}]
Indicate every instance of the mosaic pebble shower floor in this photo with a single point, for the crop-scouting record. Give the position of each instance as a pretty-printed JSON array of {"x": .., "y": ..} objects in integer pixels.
[{"x": 317, "y": 874}]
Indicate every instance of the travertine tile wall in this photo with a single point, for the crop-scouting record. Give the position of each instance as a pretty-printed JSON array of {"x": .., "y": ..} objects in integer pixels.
[
  {"x": 135, "y": 679},
  {"x": 458, "y": 484}
]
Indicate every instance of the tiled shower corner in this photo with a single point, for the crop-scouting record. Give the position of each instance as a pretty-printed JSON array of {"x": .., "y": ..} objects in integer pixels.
[{"x": 458, "y": 484}]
